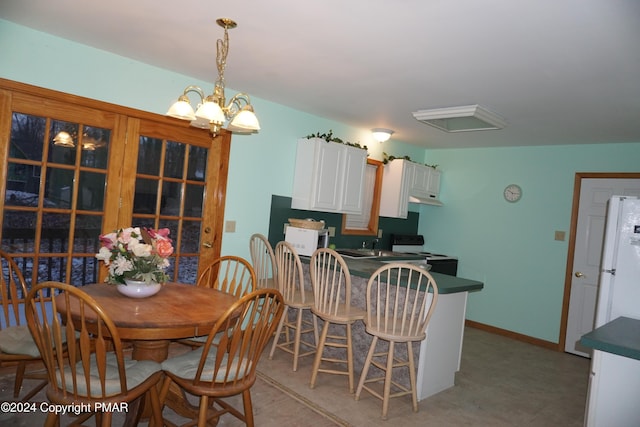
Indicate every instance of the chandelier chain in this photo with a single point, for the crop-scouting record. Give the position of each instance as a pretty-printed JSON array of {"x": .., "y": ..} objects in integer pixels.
[{"x": 221, "y": 57}]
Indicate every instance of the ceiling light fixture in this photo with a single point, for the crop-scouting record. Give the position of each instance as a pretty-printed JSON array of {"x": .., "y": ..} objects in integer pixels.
[
  {"x": 381, "y": 135},
  {"x": 461, "y": 119},
  {"x": 212, "y": 113}
]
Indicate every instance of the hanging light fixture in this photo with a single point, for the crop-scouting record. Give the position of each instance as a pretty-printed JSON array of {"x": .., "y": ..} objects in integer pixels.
[{"x": 212, "y": 112}]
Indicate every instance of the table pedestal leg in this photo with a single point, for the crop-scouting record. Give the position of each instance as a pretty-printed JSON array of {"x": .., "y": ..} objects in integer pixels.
[{"x": 151, "y": 350}]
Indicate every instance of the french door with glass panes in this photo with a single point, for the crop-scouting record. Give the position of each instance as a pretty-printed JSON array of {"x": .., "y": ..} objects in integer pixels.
[{"x": 76, "y": 168}]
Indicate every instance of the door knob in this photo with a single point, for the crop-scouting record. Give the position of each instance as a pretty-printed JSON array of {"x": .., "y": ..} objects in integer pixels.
[
  {"x": 579, "y": 274},
  {"x": 207, "y": 245}
]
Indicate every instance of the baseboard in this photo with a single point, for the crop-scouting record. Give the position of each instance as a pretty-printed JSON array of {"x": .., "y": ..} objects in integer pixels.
[{"x": 514, "y": 335}]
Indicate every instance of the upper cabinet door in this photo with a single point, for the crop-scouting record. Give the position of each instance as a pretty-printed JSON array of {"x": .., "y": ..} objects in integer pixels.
[{"x": 329, "y": 177}]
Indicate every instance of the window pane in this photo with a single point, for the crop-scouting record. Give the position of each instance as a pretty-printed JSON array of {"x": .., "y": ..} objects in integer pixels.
[
  {"x": 55, "y": 232},
  {"x": 149, "y": 154},
  {"x": 18, "y": 231},
  {"x": 59, "y": 187},
  {"x": 144, "y": 200},
  {"x": 174, "y": 160},
  {"x": 197, "y": 163},
  {"x": 190, "y": 236},
  {"x": 91, "y": 191},
  {"x": 88, "y": 229},
  {"x": 53, "y": 268},
  {"x": 22, "y": 185},
  {"x": 170, "y": 198},
  {"x": 194, "y": 196},
  {"x": 84, "y": 271},
  {"x": 27, "y": 136},
  {"x": 188, "y": 270},
  {"x": 63, "y": 139},
  {"x": 95, "y": 147}
]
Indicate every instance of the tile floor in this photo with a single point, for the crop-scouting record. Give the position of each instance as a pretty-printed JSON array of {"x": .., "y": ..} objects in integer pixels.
[{"x": 502, "y": 382}]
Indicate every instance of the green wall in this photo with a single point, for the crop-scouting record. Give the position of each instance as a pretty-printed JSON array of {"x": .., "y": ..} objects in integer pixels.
[{"x": 509, "y": 246}]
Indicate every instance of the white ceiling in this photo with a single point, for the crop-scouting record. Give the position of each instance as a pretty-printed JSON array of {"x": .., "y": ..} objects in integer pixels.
[{"x": 558, "y": 71}]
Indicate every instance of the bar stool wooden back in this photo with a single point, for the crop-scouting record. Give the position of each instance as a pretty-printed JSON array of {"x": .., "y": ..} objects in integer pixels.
[
  {"x": 331, "y": 282},
  {"x": 298, "y": 297},
  {"x": 401, "y": 298}
]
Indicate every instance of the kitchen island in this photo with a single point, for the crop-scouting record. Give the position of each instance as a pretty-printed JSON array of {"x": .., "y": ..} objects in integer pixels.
[{"x": 438, "y": 357}]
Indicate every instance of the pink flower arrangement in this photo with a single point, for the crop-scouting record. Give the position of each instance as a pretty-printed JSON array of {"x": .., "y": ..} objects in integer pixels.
[{"x": 136, "y": 253}]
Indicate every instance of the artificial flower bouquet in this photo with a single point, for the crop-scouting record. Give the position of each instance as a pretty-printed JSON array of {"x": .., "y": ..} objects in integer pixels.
[{"x": 136, "y": 253}]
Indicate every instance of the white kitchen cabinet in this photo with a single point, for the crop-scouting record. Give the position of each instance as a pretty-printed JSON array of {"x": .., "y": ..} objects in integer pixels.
[
  {"x": 396, "y": 180},
  {"x": 404, "y": 182},
  {"x": 329, "y": 177}
]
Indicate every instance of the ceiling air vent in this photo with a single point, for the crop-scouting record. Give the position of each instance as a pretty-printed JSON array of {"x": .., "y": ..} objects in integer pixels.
[{"x": 460, "y": 119}]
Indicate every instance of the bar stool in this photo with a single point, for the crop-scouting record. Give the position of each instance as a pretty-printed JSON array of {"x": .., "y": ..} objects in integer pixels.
[
  {"x": 331, "y": 281},
  {"x": 291, "y": 284},
  {"x": 263, "y": 261},
  {"x": 400, "y": 301}
]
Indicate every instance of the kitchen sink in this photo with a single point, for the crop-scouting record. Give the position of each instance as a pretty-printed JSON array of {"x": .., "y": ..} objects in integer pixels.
[{"x": 368, "y": 253}]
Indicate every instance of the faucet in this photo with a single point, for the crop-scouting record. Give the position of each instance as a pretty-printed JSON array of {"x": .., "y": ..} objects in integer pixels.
[{"x": 373, "y": 244}]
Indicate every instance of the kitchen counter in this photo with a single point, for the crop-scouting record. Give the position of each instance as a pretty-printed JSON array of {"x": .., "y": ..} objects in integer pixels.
[
  {"x": 620, "y": 336},
  {"x": 446, "y": 284},
  {"x": 438, "y": 355},
  {"x": 614, "y": 380},
  {"x": 365, "y": 267}
]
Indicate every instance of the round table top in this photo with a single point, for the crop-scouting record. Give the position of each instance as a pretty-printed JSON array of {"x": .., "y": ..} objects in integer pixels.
[{"x": 177, "y": 311}]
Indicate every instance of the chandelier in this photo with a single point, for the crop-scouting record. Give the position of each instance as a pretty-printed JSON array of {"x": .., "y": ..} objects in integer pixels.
[{"x": 212, "y": 112}]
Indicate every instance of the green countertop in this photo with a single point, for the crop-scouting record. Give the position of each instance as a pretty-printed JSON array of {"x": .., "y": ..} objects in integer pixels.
[
  {"x": 446, "y": 284},
  {"x": 620, "y": 336}
]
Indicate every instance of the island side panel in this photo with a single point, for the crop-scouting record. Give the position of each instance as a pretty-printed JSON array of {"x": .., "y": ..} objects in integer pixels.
[{"x": 441, "y": 351}]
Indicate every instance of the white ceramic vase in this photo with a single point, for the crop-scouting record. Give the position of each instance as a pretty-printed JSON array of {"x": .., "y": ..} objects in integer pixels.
[{"x": 139, "y": 288}]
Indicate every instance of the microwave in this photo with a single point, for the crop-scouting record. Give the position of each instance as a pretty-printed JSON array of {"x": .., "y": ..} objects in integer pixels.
[{"x": 305, "y": 241}]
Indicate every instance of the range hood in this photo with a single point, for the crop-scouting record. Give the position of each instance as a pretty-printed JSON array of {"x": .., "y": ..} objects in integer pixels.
[{"x": 425, "y": 201}]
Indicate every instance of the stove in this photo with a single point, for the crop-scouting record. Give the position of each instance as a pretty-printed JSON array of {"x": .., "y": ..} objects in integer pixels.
[{"x": 414, "y": 244}]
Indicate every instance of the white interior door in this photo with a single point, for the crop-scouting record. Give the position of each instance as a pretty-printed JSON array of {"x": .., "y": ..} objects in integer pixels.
[{"x": 594, "y": 194}]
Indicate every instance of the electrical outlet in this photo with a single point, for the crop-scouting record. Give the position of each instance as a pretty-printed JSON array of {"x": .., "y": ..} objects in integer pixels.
[
  {"x": 230, "y": 226},
  {"x": 559, "y": 235},
  {"x": 380, "y": 233},
  {"x": 332, "y": 231}
]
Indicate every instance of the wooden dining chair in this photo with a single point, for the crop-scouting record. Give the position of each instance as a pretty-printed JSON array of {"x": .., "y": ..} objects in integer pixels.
[
  {"x": 400, "y": 301},
  {"x": 88, "y": 373},
  {"x": 298, "y": 297},
  {"x": 231, "y": 274},
  {"x": 263, "y": 261},
  {"x": 17, "y": 347},
  {"x": 228, "y": 368},
  {"x": 331, "y": 281}
]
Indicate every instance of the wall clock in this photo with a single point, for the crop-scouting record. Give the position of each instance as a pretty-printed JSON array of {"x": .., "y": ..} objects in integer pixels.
[{"x": 512, "y": 193}]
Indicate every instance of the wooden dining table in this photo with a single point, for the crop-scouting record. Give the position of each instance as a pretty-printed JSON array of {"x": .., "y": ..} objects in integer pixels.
[{"x": 177, "y": 311}]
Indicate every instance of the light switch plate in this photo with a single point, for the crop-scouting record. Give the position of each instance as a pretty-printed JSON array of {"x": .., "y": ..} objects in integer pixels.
[
  {"x": 559, "y": 235},
  {"x": 332, "y": 231},
  {"x": 230, "y": 226}
]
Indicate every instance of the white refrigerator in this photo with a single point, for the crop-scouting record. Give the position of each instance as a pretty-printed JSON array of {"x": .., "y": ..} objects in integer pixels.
[
  {"x": 619, "y": 286},
  {"x": 614, "y": 381}
]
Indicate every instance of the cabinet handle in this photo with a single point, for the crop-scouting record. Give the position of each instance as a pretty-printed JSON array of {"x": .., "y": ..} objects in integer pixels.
[{"x": 207, "y": 245}]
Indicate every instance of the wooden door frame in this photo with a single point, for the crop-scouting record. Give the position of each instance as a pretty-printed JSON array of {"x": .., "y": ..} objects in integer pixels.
[
  {"x": 219, "y": 151},
  {"x": 572, "y": 241}
]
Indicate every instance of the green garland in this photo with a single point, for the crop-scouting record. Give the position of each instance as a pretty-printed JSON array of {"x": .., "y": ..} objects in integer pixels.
[
  {"x": 387, "y": 158},
  {"x": 330, "y": 138}
]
